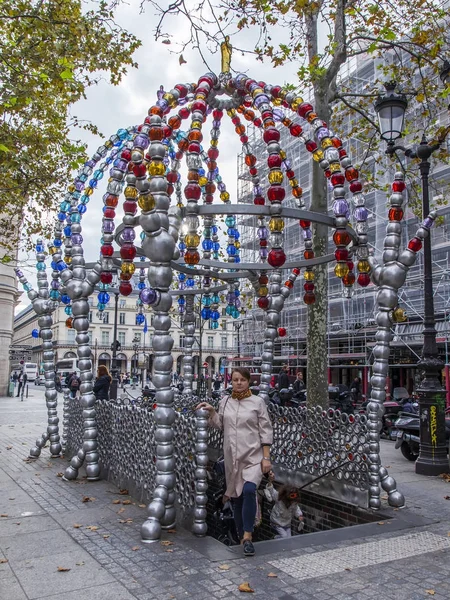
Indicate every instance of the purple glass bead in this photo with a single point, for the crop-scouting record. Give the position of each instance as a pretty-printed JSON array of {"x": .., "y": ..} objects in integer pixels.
[
  {"x": 257, "y": 190},
  {"x": 286, "y": 164},
  {"x": 216, "y": 124},
  {"x": 79, "y": 186},
  {"x": 307, "y": 234},
  {"x": 128, "y": 234},
  {"x": 19, "y": 273},
  {"x": 322, "y": 133},
  {"x": 160, "y": 93},
  {"x": 230, "y": 298},
  {"x": 428, "y": 223},
  {"x": 361, "y": 213},
  {"x": 77, "y": 239},
  {"x": 121, "y": 165},
  {"x": 261, "y": 99},
  {"x": 210, "y": 176},
  {"x": 340, "y": 208},
  {"x": 108, "y": 226},
  {"x": 148, "y": 296},
  {"x": 263, "y": 233},
  {"x": 141, "y": 141},
  {"x": 55, "y": 284},
  {"x": 90, "y": 163},
  {"x": 207, "y": 280},
  {"x": 181, "y": 285},
  {"x": 278, "y": 114},
  {"x": 222, "y": 187},
  {"x": 263, "y": 252},
  {"x": 237, "y": 303},
  {"x": 181, "y": 309}
]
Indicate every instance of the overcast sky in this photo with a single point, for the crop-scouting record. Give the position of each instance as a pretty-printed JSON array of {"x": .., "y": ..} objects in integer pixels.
[{"x": 112, "y": 107}]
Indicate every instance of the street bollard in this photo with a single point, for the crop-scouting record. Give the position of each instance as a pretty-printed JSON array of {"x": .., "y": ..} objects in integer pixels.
[{"x": 26, "y": 395}]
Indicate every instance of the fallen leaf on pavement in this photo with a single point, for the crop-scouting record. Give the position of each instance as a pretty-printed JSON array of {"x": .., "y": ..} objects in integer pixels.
[
  {"x": 106, "y": 536},
  {"x": 80, "y": 564},
  {"x": 384, "y": 497},
  {"x": 116, "y": 501},
  {"x": 430, "y": 592},
  {"x": 17, "y": 523},
  {"x": 11, "y": 498},
  {"x": 120, "y": 511},
  {"x": 166, "y": 543},
  {"x": 168, "y": 550},
  {"x": 171, "y": 531},
  {"x": 3, "y": 515},
  {"x": 59, "y": 474},
  {"x": 224, "y": 567},
  {"x": 445, "y": 476},
  {"x": 347, "y": 569},
  {"x": 272, "y": 575},
  {"x": 92, "y": 527},
  {"x": 245, "y": 587},
  {"x": 446, "y": 497},
  {"x": 126, "y": 502},
  {"x": 62, "y": 569},
  {"x": 87, "y": 499},
  {"x": 3, "y": 561},
  {"x": 142, "y": 505},
  {"x": 125, "y": 520},
  {"x": 123, "y": 492},
  {"x": 134, "y": 548},
  {"x": 77, "y": 525},
  {"x": 380, "y": 523},
  {"x": 9, "y": 447}
]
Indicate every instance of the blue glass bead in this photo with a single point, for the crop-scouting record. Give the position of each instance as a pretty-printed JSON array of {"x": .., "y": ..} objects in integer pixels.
[
  {"x": 141, "y": 285},
  {"x": 57, "y": 242},
  {"x": 181, "y": 276},
  {"x": 39, "y": 248},
  {"x": 181, "y": 300},
  {"x": 54, "y": 295},
  {"x": 205, "y": 313},
  {"x": 101, "y": 306},
  {"x": 64, "y": 206},
  {"x": 61, "y": 216},
  {"x": 215, "y": 299},
  {"x": 215, "y": 314},
  {"x": 27, "y": 287},
  {"x": 214, "y": 325},
  {"x": 35, "y": 333},
  {"x": 231, "y": 250},
  {"x": 182, "y": 246},
  {"x": 190, "y": 282},
  {"x": 98, "y": 174},
  {"x": 103, "y": 297},
  {"x": 75, "y": 217},
  {"x": 68, "y": 310},
  {"x": 237, "y": 259},
  {"x": 61, "y": 266},
  {"x": 216, "y": 246},
  {"x": 65, "y": 299},
  {"x": 83, "y": 177},
  {"x": 214, "y": 229},
  {"x": 230, "y": 221},
  {"x": 201, "y": 172},
  {"x": 40, "y": 266},
  {"x": 140, "y": 319},
  {"x": 142, "y": 236},
  {"x": 54, "y": 265},
  {"x": 207, "y": 245},
  {"x": 228, "y": 310},
  {"x": 67, "y": 231},
  {"x": 109, "y": 160},
  {"x": 82, "y": 208},
  {"x": 122, "y": 134},
  {"x": 206, "y": 301},
  {"x": 237, "y": 293}
]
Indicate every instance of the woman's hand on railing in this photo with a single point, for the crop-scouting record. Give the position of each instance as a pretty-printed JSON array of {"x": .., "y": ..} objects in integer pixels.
[{"x": 206, "y": 406}]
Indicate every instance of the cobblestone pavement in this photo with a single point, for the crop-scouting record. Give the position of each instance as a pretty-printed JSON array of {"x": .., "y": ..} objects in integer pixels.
[{"x": 46, "y": 523}]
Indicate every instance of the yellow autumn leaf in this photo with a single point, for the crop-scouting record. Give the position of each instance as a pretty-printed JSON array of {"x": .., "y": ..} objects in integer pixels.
[{"x": 245, "y": 587}]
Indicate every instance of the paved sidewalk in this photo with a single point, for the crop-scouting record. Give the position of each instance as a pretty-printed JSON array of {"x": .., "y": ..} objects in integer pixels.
[{"x": 45, "y": 524}]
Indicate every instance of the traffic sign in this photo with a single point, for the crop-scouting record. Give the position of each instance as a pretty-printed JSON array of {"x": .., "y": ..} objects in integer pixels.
[{"x": 20, "y": 347}]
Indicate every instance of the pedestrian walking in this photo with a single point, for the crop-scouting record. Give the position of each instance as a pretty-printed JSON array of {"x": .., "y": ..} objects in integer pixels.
[
  {"x": 73, "y": 384},
  {"x": 102, "y": 383},
  {"x": 285, "y": 508},
  {"x": 283, "y": 378},
  {"x": 14, "y": 378},
  {"x": 23, "y": 378},
  {"x": 248, "y": 435}
]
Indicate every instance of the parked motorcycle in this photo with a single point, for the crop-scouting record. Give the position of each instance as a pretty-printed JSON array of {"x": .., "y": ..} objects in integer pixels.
[
  {"x": 408, "y": 434},
  {"x": 340, "y": 398}
]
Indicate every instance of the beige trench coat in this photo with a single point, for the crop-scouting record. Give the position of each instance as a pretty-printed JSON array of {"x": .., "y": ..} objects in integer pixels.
[{"x": 246, "y": 428}]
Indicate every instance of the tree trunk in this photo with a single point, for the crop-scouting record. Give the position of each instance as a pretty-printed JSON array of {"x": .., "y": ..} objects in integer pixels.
[{"x": 317, "y": 343}]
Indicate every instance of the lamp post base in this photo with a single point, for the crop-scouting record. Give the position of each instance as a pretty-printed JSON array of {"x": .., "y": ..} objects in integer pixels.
[{"x": 432, "y": 459}]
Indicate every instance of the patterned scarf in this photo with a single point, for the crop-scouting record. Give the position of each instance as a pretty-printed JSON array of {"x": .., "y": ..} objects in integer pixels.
[{"x": 241, "y": 395}]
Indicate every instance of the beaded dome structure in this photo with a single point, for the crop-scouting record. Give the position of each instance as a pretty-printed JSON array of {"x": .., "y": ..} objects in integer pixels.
[{"x": 144, "y": 165}]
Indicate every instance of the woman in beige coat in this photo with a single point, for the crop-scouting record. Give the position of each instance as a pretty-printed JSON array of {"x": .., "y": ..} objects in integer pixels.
[{"x": 247, "y": 436}]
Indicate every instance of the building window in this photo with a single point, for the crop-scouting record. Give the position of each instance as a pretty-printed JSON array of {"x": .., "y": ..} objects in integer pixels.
[
  {"x": 137, "y": 338},
  {"x": 224, "y": 325},
  {"x": 210, "y": 341},
  {"x": 181, "y": 341},
  {"x": 106, "y": 317},
  {"x": 122, "y": 303},
  {"x": 90, "y": 316},
  {"x": 71, "y": 336},
  {"x": 121, "y": 338},
  {"x": 90, "y": 337},
  {"x": 223, "y": 342},
  {"x": 105, "y": 337},
  {"x": 121, "y": 318}
]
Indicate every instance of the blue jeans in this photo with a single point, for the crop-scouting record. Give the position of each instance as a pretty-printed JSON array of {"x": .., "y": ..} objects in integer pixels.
[{"x": 245, "y": 509}]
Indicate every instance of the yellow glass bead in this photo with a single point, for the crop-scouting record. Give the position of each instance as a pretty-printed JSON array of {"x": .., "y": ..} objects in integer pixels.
[
  {"x": 335, "y": 167},
  {"x": 170, "y": 99},
  {"x": 399, "y": 315},
  {"x": 363, "y": 266},
  {"x": 308, "y": 275},
  {"x": 71, "y": 188},
  {"x": 263, "y": 291},
  {"x": 341, "y": 269},
  {"x": 237, "y": 245},
  {"x": 128, "y": 268},
  {"x": 275, "y": 177},
  {"x": 326, "y": 142},
  {"x": 196, "y": 125},
  {"x": 214, "y": 143},
  {"x": 108, "y": 144},
  {"x": 276, "y": 224},
  {"x": 156, "y": 168},
  {"x": 257, "y": 91},
  {"x": 202, "y": 181},
  {"x": 68, "y": 260},
  {"x": 317, "y": 155},
  {"x": 277, "y": 101},
  {"x": 282, "y": 154},
  {"x": 131, "y": 192},
  {"x": 52, "y": 249},
  {"x": 146, "y": 203},
  {"x": 224, "y": 196},
  {"x": 282, "y": 94},
  {"x": 296, "y": 103},
  {"x": 192, "y": 240},
  {"x": 89, "y": 191},
  {"x": 231, "y": 112},
  {"x": 293, "y": 182}
]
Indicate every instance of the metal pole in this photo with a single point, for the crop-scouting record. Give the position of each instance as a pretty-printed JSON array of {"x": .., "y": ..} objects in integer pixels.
[
  {"x": 433, "y": 452},
  {"x": 113, "y": 388}
]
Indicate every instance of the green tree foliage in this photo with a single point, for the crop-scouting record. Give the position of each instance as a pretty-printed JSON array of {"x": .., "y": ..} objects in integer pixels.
[{"x": 50, "y": 53}]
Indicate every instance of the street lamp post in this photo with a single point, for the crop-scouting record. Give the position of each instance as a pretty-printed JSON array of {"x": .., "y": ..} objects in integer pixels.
[
  {"x": 114, "y": 370},
  {"x": 237, "y": 326},
  {"x": 432, "y": 459},
  {"x": 136, "y": 343}
]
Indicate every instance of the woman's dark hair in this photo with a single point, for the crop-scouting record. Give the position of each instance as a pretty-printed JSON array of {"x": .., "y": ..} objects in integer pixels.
[
  {"x": 102, "y": 370},
  {"x": 242, "y": 371},
  {"x": 284, "y": 495}
]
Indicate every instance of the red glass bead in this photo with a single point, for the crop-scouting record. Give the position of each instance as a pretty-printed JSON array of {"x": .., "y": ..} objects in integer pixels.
[
  {"x": 182, "y": 89},
  {"x": 274, "y": 161},
  {"x": 210, "y": 188},
  {"x": 349, "y": 279},
  {"x": 257, "y": 122},
  {"x": 126, "y": 154},
  {"x": 107, "y": 250},
  {"x": 213, "y": 153},
  {"x": 309, "y": 298},
  {"x": 327, "y": 173},
  {"x": 363, "y": 279},
  {"x": 395, "y": 214},
  {"x": 336, "y": 142},
  {"x": 288, "y": 283},
  {"x": 263, "y": 279},
  {"x": 311, "y": 146},
  {"x": 355, "y": 187},
  {"x": 179, "y": 155},
  {"x": 341, "y": 254},
  {"x": 350, "y": 265},
  {"x": 304, "y": 109},
  {"x": 415, "y": 244},
  {"x": 130, "y": 207},
  {"x": 235, "y": 120},
  {"x": 191, "y": 257},
  {"x": 170, "y": 189},
  {"x": 295, "y": 130},
  {"x": 290, "y": 174},
  {"x": 111, "y": 201},
  {"x": 156, "y": 134},
  {"x": 244, "y": 139},
  {"x": 128, "y": 252},
  {"x": 184, "y": 112},
  {"x": 275, "y": 91},
  {"x": 259, "y": 201},
  {"x": 109, "y": 213},
  {"x": 341, "y": 238},
  {"x": 281, "y": 331},
  {"x": 342, "y": 153},
  {"x": 276, "y": 257},
  {"x": 209, "y": 198},
  {"x": 271, "y": 135},
  {"x": 250, "y": 160},
  {"x": 308, "y": 254},
  {"x": 125, "y": 276},
  {"x": 194, "y": 147},
  {"x": 296, "y": 271},
  {"x": 106, "y": 277},
  {"x": 253, "y": 171},
  {"x": 167, "y": 131},
  {"x": 69, "y": 323},
  {"x": 398, "y": 186},
  {"x": 139, "y": 170},
  {"x": 263, "y": 302},
  {"x": 263, "y": 243},
  {"x": 337, "y": 179},
  {"x": 351, "y": 174},
  {"x": 276, "y": 193},
  {"x": 192, "y": 191},
  {"x": 172, "y": 177},
  {"x": 125, "y": 288},
  {"x": 308, "y": 286},
  {"x": 206, "y": 79},
  {"x": 217, "y": 114},
  {"x": 305, "y": 224},
  {"x": 199, "y": 105}
]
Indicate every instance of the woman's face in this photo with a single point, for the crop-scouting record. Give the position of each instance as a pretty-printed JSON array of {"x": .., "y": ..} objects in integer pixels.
[{"x": 239, "y": 383}]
